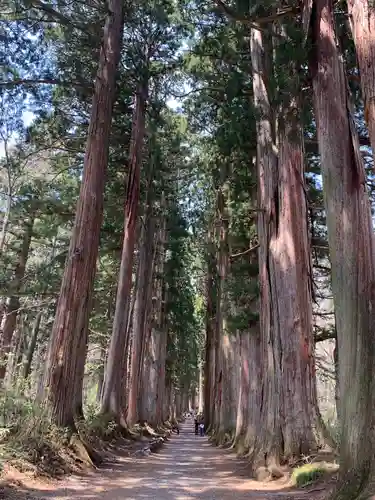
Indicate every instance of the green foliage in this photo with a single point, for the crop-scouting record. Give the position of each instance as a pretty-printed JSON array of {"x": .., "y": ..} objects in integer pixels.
[
  {"x": 308, "y": 474},
  {"x": 30, "y": 441},
  {"x": 183, "y": 326}
]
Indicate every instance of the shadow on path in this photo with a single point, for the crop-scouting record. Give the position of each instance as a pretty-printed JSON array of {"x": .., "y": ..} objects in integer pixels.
[{"x": 188, "y": 467}]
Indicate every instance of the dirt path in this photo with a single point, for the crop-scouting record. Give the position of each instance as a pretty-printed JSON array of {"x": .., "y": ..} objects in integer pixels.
[{"x": 188, "y": 467}]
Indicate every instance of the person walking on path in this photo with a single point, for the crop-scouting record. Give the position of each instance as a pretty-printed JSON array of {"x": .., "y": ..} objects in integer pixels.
[{"x": 201, "y": 429}]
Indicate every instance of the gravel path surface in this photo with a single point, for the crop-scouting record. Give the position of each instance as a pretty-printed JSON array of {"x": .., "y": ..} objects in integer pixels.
[{"x": 186, "y": 468}]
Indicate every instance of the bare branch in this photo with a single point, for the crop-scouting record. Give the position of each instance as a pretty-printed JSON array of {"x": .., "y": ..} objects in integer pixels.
[{"x": 251, "y": 249}]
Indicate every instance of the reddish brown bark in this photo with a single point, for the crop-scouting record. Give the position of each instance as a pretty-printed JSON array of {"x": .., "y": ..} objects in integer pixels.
[
  {"x": 362, "y": 21},
  {"x": 153, "y": 387},
  {"x": 209, "y": 367},
  {"x": 226, "y": 409},
  {"x": 115, "y": 374},
  {"x": 72, "y": 314},
  {"x": 292, "y": 285},
  {"x": 290, "y": 416},
  {"x": 250, "y": 383},
  {"x": 351, "y": 245},
  {"x": 249, "y": 399},
  {"x": 219, "y": 323},
  {"x": 9, "y": 320},
  {"x": 140, "y": 329},
  {"x": 267, "y": 164},
  {"x": 80, "y": 372}
]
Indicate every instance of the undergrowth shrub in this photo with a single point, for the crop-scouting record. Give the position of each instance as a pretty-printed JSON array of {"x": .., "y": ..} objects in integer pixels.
[
  {"x": 309, "y": 473},
  {"x": 29, "y": 441},
  {"x": 98, "y": 427},
  {"x": 14, "y": 408}
]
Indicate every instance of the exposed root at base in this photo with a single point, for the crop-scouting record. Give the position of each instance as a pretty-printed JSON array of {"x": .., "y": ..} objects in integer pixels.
[
  {"x": 269, "y": 473},
  {"x": 84, "y": 452},
  {"x": 240, "y": 446}
]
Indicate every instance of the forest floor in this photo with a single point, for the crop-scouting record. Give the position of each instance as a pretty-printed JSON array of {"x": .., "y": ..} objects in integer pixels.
[{"x": 187, "y": 467}]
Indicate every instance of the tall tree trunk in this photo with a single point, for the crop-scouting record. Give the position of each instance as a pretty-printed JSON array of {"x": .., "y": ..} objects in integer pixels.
[
  {"x": 72, "y": 315},
  {"x": 250, "y": 376},
  {"x": 6, "y": 215},
  {"x": 226, "y": 411},
  {"x": 140, "y": 316},
  {"x": 15, "y": 357},
  {"x": 230, "y": 387},
  {"x": 200, "y": 388},
  {"x": 115, "y": 373},
  {"x": 243, "y": 397},
  {"x": 290, "y": 414},
  {"x": 167, "y": 399},
  {"x": 221, "y": 229},
  {"x": 250, "y": 396},
  {"x": 362, "y": 21},
  {"x": 103, "y": 347},
  {"x": 209, "y": 365},
  {"x": 154, "y": 377},
  {"x": 79, "y": 375},
  {"x": 162, "y": 364},
  {"x": 9, "y": 320},
  {"x": 32, "y": 345},
  {"x": 292, "y": 311},
  {"x": 337, "y": 378},
  {"x": 351, "y": 245}
]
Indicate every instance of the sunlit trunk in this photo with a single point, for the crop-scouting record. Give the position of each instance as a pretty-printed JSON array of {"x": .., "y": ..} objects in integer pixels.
[
  {"x": 72, "y": 315},
  {"x": 115, "y": 374},
  {"x": 141, "y": 312},
  {"x": 290, "y": 419}
]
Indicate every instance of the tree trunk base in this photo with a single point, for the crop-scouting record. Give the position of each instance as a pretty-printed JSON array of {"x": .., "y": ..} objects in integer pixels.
[
  {"x": 355, "y": 487},
  {"x": 240, "y": 446},
  {"x": 223, "y": 437},
  {"x": 266, "y": 465},
  {"x": 84, "y": 452}
]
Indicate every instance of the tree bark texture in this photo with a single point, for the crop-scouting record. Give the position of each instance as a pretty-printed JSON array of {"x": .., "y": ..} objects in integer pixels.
[
  {"x": 226, "y": 411},
  {"x": 141, "y": 310},
  {"x": 154, "y": 378},
  {"x": 72, "y": 314},
  {"x": 249, "y": 397},
  {"x": 351, "y": 246},
  {"x": 115, "y": 374},
  {"x": 290, "y": 414},
  {"x": 9, "y": 320},
  {"x": 209, "y": 366},
  {"x": 362, "y": 22}
]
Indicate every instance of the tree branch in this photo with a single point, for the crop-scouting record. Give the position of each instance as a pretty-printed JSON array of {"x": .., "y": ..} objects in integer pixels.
[
  {"x": 58, "y": 16},
  {"x": 42, "y": 81},
  {"x": 311, "y": 145},
  {"x": 253, "y": 22},
  {"x": 251, "y": 249}
]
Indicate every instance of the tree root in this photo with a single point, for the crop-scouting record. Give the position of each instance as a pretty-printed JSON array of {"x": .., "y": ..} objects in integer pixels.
[
  {"x": 84, "y": 452},
  {"x": 240, "y": 446}
]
